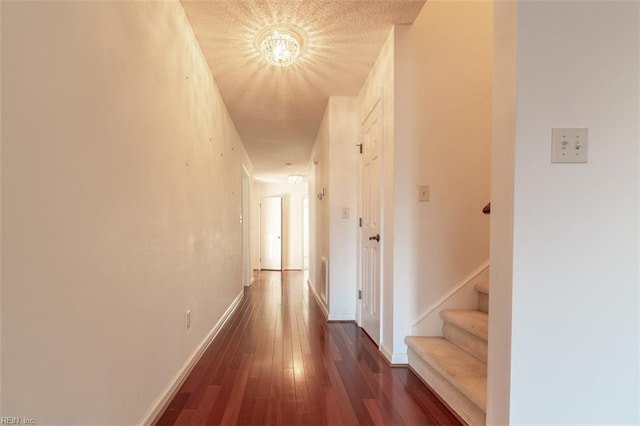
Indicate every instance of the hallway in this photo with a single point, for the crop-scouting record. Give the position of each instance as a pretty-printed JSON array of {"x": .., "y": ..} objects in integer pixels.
[{"x": 277, "y": 361}]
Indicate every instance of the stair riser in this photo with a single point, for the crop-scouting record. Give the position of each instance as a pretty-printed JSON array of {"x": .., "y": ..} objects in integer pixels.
[
  {"x": 466, "y": 341},
  {"x": 483, "y": 303},
  {"x": 459, "y": 403}
]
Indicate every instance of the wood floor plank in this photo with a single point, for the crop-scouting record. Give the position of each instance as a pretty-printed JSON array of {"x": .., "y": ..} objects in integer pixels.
[
  {"x": 379, "y": 417},
  {"x": 198, "y": 416},
  {"x": 334, "y": 416},
  {"x": 248, "y": 403},
  {"x": 232, "y": 409},
  {"x": 277, "y": 361}
]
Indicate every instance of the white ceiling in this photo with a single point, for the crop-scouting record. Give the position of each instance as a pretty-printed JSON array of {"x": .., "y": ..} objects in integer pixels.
[{"x": 277, "y": 111}]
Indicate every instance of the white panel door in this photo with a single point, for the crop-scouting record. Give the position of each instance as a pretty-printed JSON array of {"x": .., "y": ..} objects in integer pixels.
[
  {"x": 370, "y": 244},
  {"x": 247, "y": 274},
  {"x": 271, "y": 233}
]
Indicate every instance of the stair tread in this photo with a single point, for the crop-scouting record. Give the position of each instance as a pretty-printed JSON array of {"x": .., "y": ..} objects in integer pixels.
[
  {"x": 463, "y": 371},
  {"x": 482, "y": 287},
  {"x": 474, "y": 322}
]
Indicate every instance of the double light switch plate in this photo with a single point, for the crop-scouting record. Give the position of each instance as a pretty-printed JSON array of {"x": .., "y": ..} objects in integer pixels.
[{"x": 569, "y": 145}]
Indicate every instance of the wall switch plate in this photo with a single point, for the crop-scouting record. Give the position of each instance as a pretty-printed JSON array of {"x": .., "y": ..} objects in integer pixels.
[
  {"x": 569, "y": 145},
  {"x": 345, "y": 212},
  {"x": 187, "y": 319},
  {"x": 423, "y": 193}
]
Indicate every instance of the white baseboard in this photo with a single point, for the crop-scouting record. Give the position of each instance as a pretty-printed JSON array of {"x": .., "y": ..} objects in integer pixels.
[
  {"x": 394, "y": 358},
  {"x": 320, "y": 302},
  {"x": 342, "y": 317},
  {"x": 160, "y": 404}
]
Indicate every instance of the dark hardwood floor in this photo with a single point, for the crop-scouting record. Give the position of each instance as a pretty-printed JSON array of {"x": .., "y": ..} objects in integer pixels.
[{"x": 277, "y": 361}]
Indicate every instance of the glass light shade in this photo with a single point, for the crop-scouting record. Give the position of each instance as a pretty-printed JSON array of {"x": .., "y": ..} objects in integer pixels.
[
  {"x": 295, "y": 179},
  {"x": 280, "y": 47}
]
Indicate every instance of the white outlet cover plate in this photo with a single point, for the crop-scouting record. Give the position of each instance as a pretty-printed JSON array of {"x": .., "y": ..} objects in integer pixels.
[
  {"x": 423, "y": 193},
  {"x": 569, "y": 145}
]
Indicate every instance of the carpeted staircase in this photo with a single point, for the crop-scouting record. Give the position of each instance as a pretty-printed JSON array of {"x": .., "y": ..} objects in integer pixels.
[{"x": 455, "y": 366}]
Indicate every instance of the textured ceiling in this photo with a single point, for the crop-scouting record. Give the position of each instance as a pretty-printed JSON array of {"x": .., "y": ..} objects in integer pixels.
[{"x": 277, "y": 111}]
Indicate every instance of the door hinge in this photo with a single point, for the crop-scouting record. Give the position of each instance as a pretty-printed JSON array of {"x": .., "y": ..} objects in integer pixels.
[
  {"x": 360, "y": 222},
  {"x": 359, "y": 294},
  {"x": 360, "y": 147}
]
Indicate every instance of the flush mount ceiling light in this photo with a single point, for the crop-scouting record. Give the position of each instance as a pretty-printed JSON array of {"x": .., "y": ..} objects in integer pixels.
[
  {"x": 295, "y": 179},
  {"x": 280, "y": 47}
]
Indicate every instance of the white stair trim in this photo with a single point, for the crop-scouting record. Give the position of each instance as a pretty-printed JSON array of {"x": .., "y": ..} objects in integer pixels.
[{"x": 469, "y": 279}]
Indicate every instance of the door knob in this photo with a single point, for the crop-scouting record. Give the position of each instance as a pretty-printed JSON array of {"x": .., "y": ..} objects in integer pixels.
[{"x": 376, "y": 237}]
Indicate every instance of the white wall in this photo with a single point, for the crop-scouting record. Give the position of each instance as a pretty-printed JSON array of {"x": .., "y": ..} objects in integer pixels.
[
  {"x": 443, "y": 83},
  {"x": 318, "y": 207},
  {"x": 342, "y": 193},
  {"x": 574, "y": 351},
  {"x": 121, "y": 196},
  {"x": 292, "y": 196},
  {"x": 332, "y": 236}
]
